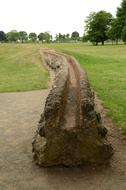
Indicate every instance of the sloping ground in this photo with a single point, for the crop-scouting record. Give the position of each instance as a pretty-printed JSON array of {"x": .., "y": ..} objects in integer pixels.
[{"x": 19, "y": 114}]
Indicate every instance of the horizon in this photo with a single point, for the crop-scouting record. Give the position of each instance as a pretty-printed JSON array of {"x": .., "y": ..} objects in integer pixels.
[{"x": 54, "y": 17}]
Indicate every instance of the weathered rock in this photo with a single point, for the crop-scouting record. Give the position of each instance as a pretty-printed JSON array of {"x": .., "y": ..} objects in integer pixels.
[{"x": 70, "y": 132}]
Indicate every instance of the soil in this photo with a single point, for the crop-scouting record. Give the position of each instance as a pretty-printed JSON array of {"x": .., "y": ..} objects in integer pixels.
[{"x": 19, "y": 115}]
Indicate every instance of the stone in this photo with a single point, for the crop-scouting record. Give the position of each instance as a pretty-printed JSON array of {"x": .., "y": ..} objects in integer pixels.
[{"x": 70, "y": 131}]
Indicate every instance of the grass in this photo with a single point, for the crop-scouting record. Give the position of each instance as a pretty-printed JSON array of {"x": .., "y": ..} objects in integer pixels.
[
  {"x": 106, "y": 68},
  {"x": 21, "y": 68}
]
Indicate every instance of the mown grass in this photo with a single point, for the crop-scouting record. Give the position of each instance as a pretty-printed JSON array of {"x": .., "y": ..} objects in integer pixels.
[
  {"x": 21, "y": 68},
  {"x": 106, "y": 68}
]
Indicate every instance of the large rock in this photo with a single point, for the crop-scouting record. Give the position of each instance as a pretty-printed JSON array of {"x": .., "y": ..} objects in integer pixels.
[{"x": 70, "y": 132}]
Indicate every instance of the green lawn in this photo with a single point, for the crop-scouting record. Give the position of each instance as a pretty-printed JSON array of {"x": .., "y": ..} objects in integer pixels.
[
  {"x": 21, "y": 68},
  {"x": 106, "y": 68}
]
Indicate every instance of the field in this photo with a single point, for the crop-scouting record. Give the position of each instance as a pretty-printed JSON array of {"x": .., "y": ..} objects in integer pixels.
[{"x": 21, "y": 70}]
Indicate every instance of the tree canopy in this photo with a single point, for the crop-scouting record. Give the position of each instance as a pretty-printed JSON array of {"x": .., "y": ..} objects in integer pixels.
[
  {"x": 33, "y": 37},
  {"x": 12, "y": 36},
  {"x": 75, "y": 35},
  {"x": 114, "y": 30},
  {"x": 121, "y": 19},
  {"x": 2, "y": 36},
  {"x": 97, "y": 25},
  {"x": 44, "y": 37},
  {"x": 124, "y": 34},
  {"x": 47, "y": 37},
  {"x": 41, "y": 37},
  {"x": 23, "y": 36}
]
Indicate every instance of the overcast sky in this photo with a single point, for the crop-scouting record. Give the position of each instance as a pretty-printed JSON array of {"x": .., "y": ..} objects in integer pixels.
[{"x": 56, "y": 16}]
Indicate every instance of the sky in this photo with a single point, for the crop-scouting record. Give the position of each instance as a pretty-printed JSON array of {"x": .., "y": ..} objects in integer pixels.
[{"x": 54, "y": 16}]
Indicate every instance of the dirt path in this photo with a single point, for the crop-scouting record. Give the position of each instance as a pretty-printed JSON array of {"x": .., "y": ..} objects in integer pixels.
[{"x": 19, "y": 114}]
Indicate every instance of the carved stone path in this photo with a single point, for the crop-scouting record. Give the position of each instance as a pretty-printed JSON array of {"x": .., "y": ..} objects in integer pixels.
[{"x": 70, "y": 131}]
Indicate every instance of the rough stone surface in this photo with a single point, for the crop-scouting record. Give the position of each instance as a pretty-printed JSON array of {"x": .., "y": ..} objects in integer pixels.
[{"x": 70, "y": 131}]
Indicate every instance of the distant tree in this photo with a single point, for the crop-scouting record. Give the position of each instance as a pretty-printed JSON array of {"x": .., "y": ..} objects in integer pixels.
[
  {"x": 13, "y": 36},
  {"x": 51, "y": 38},
  {"x": 33, "y": 37},
  {"x": 97, "y": 25},
  {"x": 124, "y": 34},
  {"x": 75, "y": 36},
  {"x": 121, "y": 16},
  {"x": 47, "y": 37},
  {"x": 67, "y": 36},
  {"x": 85, "y": 38},
  {"x": 111, "y": 34},
  {"x": 63, "y": 37},
  {"x": 41, "y": 37},
  {"x": 114, "y": 30},
  {"x": 2, "y": 36},
  {"x": 23, "y": 36},
  {"x": 59, "y": 37}
]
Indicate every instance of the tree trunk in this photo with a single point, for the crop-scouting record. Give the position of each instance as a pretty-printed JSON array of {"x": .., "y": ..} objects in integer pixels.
[
  {"x": 102, "y": 42},
  {"x": 116, "y": 41}
]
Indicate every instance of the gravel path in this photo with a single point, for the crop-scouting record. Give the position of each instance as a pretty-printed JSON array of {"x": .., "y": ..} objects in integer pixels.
[{"x": 19, "y": 114}]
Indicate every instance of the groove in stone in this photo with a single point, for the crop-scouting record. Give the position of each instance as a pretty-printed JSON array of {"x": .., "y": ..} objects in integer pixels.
[{"x": 70, "y": 132}]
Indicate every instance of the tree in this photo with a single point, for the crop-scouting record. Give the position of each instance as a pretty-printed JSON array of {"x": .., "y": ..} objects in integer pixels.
[
  {"x": 124, "y": 34},
  {"x": 51, "y": 38},
  {"x": 12, "y": 36},
  {"x": 97, "y": 25},
  {"x": 67, "y": 36},
  {"x": 23, "y": 36},
  {"x": 47, "y": 37},
  {"x": 2, "y": 36},
  {"x": 63, "y": 37},
  {"x": 59, "y": 37},
  {"x": 41, "y": 37},
  {"x": 114, "y": 30},
  {"x": 121, "y": 16},
  {"x": 75, "y": 36},
  {"x": 33, "y": 37},
  {"x": 85, "y": 38}
]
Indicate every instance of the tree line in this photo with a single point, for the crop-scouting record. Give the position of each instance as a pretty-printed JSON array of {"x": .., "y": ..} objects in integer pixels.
[
  {"x": 102, "y": 26},
  {"x": 23, "y": 37},
  {"x": 99, "y": 27}
]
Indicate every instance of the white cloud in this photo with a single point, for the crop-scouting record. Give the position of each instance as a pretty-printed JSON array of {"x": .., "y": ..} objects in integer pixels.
[{"x": 50, "y": 15}]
